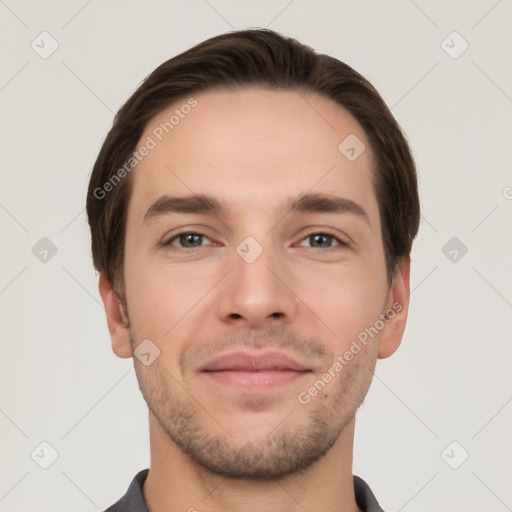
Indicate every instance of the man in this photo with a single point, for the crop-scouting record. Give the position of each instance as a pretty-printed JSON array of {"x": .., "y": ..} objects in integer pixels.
[{"x": 252, "y": 212}]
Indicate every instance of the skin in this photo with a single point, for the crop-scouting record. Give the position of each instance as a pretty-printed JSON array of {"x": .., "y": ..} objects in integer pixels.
[{"x": 216, "y": 447}]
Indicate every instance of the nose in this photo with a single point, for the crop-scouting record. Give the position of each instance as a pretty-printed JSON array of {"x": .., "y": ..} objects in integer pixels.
[{"x": 257, "y": 294}]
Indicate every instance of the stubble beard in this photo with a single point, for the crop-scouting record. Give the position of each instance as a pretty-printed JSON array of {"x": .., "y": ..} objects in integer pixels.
[{"x": 280, "y": 452}]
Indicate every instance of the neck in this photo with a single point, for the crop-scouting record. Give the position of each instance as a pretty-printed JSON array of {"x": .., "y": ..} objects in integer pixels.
[{"x": 177, "y": 483}]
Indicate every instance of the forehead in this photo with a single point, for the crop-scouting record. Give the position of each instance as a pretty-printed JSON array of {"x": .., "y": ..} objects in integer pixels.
[{"x": 252, "y": 147}]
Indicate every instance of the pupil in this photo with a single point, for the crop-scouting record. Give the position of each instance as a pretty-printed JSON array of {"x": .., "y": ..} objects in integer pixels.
[
  {"x": 321, "y": 240},
  {"x": 191, "y": 239}
]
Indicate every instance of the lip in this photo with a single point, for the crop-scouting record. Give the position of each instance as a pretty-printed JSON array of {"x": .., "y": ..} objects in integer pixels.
[
  {"x": 254, "y": 372},
  {"x": 252, "y": 362}
]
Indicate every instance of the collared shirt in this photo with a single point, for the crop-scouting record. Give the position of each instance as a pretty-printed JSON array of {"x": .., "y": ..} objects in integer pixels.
[{"x": 133, "y": 500}]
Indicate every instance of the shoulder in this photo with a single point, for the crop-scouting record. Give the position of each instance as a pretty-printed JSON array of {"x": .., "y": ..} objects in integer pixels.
[
  {"x": 365, "y": 498},
  {"x": 133, "y": 500}
]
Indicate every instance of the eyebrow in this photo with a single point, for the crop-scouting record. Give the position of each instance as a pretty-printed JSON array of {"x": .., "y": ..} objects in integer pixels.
[
  {"x": 325, "y": 203},
  {"x": 197, "y": 203},
  {"x": 304, "y": 203}
]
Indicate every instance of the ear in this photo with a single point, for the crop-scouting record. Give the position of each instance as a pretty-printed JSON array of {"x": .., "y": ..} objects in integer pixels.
[
  {"x": 116, "y": 319},
  {"x": 397, "y": 307}
]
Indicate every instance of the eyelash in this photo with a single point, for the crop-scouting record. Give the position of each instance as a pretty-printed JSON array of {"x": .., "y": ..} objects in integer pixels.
[{"x": 327, "y": 233}]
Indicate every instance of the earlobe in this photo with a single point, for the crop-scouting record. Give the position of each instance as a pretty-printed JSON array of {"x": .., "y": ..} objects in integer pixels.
[
  {"x": 397, "y": 309},
  {"x": 116, "y": 319}
]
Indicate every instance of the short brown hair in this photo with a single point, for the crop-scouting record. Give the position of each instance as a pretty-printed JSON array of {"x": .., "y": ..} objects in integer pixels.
[{"x": 255, "y": 57}]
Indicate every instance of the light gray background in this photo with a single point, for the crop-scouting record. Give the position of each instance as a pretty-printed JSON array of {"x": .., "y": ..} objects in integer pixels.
[{"x": 449, "y": 381}]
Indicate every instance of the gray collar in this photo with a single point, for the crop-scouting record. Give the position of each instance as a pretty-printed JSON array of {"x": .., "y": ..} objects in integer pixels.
[{"x": 133, "y": 500}]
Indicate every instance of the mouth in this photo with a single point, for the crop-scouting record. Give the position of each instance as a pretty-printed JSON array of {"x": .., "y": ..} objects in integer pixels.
[{"x": 254, "y": 372}]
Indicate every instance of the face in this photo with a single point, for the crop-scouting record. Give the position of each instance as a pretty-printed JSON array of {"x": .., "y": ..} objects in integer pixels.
[{"x": 254, "y": 263}]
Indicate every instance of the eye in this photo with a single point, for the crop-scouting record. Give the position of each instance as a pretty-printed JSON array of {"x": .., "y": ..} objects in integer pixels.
[
  {"x": 192, "y": 240},
  {"x": 187, "y": 240},
  {"x": 323, "y": 240}
]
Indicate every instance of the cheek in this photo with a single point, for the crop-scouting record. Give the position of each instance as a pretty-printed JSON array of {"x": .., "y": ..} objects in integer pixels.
[
  {"x": 345, "y": 300},
  {"x": 163, "y": 298}
]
